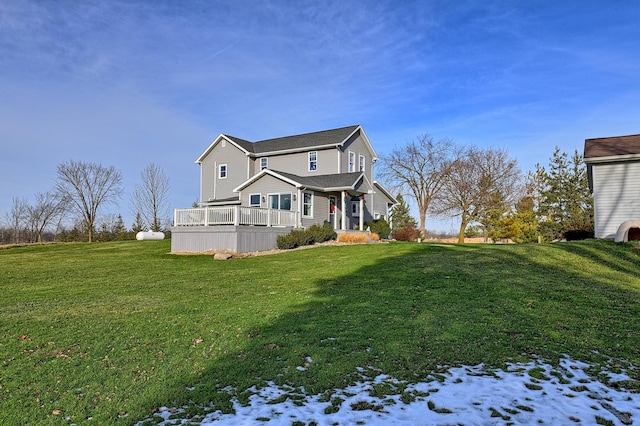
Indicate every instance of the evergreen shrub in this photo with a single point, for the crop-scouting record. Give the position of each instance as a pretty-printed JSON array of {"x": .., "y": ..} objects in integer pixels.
[
  {"x": 380, "y": 227},
  {"x": 311, "y": 235}
]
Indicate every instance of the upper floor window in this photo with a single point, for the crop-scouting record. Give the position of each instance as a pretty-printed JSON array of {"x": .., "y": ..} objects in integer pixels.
[
  {"x": 254, "y": 200},
  {"x": 361, "y": 163},
  {"x": 352, "y": 161},
  {"x": 313, "y": 161},
  {"x": 263, "y": 163},
  {"x": 222, "y": 171}
]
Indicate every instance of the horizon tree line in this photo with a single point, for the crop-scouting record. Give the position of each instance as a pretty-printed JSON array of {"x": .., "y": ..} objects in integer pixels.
[
  {"x": 487, "y": 191},
  {"x": 71, "y": 210}
]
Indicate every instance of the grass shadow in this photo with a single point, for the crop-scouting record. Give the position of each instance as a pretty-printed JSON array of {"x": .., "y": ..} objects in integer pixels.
[{"x": 410, "y": 314}]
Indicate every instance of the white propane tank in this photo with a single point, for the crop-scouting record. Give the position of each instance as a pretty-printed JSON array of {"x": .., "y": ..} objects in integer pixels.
[{"x": 149, "y": 235}]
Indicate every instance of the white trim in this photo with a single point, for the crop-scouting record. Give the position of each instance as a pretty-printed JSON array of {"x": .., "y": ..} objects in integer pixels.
[
  {"x": 310, "y": 204},
  {"x": 279, "y": 201},
  {"x": 214, "y": 143},
  {"x": 612, "y": 158},
  {"x": 266, "y": 172},
  {"x": 335, "y": 211},
  {"x": 294, "y": 150},
  {"x": 382, "y": 189},
  {"x": 226, "y": 171},
  {"x": 366, "y": 140},
  {"x": 259, "y": 199}
]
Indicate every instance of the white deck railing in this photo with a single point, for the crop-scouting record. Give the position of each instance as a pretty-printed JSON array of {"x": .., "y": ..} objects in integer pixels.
[{"x": 234, "y": 215}]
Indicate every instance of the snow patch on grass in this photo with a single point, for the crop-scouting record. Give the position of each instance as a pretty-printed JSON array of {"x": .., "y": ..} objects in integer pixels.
[{"x": 535, "y": 392}]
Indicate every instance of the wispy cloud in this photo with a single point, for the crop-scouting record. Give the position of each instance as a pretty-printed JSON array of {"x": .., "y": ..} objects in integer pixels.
[{"x": 122, "y": 79}]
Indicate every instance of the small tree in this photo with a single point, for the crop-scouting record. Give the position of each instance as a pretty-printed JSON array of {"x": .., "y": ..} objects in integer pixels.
[
  {"x": 564, "y": 199},
  {"x": 150, "y": 198},
  {"x": 47, "y": 208},
  {"x": 401, "y": 215},
  {"x": 138, "y": 224},
  {"x": 17, "y": 218},
  {"x": 87, "y": 186}
]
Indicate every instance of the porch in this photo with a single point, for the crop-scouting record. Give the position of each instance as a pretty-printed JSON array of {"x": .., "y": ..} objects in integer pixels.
[{"x": 234, "y": 215}]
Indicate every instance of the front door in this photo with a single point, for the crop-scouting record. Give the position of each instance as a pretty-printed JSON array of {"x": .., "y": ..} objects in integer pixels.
[{"x": 332, "y": 211}]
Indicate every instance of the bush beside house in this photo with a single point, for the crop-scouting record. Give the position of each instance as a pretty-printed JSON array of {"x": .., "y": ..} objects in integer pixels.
[{"x": 311, "y": 235}]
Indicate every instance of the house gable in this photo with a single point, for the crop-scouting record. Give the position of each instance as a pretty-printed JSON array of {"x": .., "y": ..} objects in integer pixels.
[
  {"x": 223, "y": 166},
  {"x": 222, "y": 139}
]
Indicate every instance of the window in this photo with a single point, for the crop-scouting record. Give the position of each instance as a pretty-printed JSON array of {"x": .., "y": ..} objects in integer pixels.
[
  {"x": 355, "y": 208},
  {"x": 263, "y": 163},
  {"x": 361, "y": 163},
  {"x": 222, "y": 171},
  {"x": 352, "y": 162},
  {"x": 254, "y": 200},
  {"x": 313, "y": 161},
  {"x": 280, "y": 201},
  {"x": 307, "y": 204}
]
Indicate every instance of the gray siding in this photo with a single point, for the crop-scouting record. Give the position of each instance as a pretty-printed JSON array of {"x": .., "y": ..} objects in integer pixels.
[
  {"x": 298, "y": 163},
  {"x": 268, "y": 185},
  {"x": 381, "y": 205},
  {"x": 616, "y": 196},
  {"x": 320, "y": 210},
  {"x": 357, "y": 145},
  {"x": 211, "y": 186}
]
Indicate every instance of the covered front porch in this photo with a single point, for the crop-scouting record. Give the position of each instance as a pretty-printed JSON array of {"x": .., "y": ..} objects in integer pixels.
[{"x": 344, "y": 208}]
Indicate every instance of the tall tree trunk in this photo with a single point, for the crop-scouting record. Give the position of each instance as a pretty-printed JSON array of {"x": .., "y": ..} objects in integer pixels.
[
  {"x": 463, "y": 227},
  {"x": 464, "y": 221},
  {"x": 423, "y": 222}
]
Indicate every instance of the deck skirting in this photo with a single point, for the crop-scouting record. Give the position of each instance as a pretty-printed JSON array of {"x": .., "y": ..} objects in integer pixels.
[{"x": 228, "y": 238}]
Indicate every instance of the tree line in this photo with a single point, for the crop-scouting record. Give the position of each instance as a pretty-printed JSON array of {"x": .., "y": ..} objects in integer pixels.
[
  {"x": 71, "y": 210},
  {"x": 486, "y": 190}
]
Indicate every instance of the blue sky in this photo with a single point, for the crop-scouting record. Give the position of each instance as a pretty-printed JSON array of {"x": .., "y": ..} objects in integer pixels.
[{"x": 126, "y": 83}]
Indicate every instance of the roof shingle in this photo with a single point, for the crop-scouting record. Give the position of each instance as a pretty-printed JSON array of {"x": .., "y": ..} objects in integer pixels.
[
  {"x": 612, "y": 146},
  {"x": 306, "y": 140}
]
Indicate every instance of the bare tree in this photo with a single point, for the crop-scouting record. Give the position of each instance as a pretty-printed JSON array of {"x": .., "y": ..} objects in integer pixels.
[
  {"x": 47, "y": 207},
  {"x": 150, "y": 197},
  {"x": 88, "y": 186},
  {"x": 475, "y": 182},
  {"x": 16, "y": 217},
  {"x": 418, "y": 169}
]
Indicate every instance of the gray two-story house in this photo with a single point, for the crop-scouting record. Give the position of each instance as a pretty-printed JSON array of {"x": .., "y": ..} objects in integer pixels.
[{"x": 291, "y": 182}]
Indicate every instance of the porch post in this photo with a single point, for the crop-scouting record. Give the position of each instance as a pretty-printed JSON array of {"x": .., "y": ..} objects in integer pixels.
[
  {"x": 362, "y": 212},
  {"x": 236, "y": 215},
  {"x": 299, "y": 208},
  {"x": 344, "y": 211}
]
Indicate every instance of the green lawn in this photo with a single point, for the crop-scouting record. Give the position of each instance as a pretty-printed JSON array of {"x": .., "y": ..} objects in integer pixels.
[{"x": 106, "y": 332}]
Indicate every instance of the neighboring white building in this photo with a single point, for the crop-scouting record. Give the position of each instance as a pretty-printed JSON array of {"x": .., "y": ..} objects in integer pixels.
[{"x": 613, "y": 166}]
